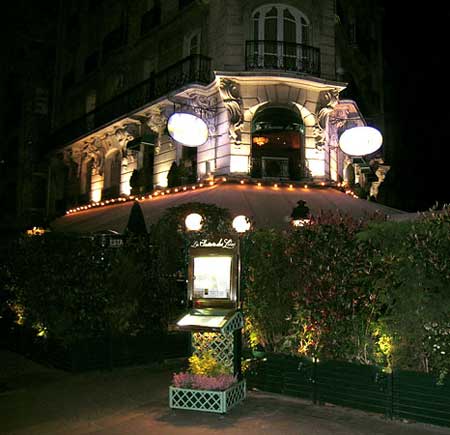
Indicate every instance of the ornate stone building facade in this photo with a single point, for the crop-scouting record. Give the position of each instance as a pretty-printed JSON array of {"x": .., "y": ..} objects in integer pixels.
[{"x": 262, "y": 75}]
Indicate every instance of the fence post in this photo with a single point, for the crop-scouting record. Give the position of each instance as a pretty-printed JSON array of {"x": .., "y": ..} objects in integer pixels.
[
  {"x": 392, "y": 398},
  {"x": 110, "y": 348},
  {"x": 314, "y": 381}
]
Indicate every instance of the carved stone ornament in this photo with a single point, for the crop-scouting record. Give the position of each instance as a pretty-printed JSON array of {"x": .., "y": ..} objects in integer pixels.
[
  {"x": 205, "y": 106},
  {"x": 97, "y": 147},
  {"x": 327, "y": 102},
  {"x": 156, "y": 121},
  {"x": 230, "y": 94}
]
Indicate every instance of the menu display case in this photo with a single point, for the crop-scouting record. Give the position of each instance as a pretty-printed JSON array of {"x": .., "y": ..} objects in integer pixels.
[
  {"x": 214, "y": 320},
  {"x": 213, "y": 287}
]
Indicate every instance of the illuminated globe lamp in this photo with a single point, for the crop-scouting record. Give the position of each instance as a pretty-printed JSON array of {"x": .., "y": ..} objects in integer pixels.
[
  {"x": 241, "y": 224},
  {"x": 187, "y": 129},
  {"x": 193, "y": 222},
  {"x": 360, "y": 141}
]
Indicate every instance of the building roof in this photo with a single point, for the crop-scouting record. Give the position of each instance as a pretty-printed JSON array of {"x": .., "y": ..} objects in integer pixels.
[{"x": 266, "y": 206}]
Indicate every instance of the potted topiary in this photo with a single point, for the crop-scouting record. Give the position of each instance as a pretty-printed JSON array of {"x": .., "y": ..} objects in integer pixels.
[{"x": 207, "y": 386}]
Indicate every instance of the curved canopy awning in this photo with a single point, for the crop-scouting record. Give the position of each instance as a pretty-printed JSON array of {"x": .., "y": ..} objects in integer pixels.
[{"x": 268, "y": 207}]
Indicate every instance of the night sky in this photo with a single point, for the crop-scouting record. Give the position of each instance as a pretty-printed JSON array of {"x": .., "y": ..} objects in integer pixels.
[{"x": 417, "y": 110}]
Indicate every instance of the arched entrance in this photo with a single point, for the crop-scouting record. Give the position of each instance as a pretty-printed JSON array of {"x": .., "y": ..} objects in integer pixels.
[{"x": 277, "y": 143}]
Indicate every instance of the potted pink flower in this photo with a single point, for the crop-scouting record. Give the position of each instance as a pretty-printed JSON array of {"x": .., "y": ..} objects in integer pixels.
[{"x": 206, "y": 386}]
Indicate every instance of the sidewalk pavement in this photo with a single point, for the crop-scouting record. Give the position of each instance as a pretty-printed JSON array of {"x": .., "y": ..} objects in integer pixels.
[{"x": 35, "y": 400}]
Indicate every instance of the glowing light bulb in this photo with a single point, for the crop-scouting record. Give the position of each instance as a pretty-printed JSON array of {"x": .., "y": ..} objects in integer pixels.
[
  {"x": 193, "y": 222},
  {"x": 241, "y": 224}
]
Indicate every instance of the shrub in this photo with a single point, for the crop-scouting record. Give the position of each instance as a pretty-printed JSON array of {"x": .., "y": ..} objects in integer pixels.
[{"x": 205, "y": 373}]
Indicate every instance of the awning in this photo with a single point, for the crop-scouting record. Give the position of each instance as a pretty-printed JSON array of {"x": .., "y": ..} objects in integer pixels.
[{"x": 268, "y": 207}]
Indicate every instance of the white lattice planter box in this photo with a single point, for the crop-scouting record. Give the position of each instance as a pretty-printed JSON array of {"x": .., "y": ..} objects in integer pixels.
[{"x": 207, "y": 400}]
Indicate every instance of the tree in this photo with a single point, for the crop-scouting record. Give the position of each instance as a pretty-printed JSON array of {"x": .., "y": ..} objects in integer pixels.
[
  {"x": 136, "y": 221},
  {"x": 173, "y": 177}
]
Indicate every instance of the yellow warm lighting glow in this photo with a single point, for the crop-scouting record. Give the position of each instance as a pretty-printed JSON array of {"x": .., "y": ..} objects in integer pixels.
[
  {"x": 193, "y": 222},
  {"x": 305, "y": 186},
  {"x": 317, "y": 167},
  {"x": 300, "y": 222},
  {"x": 239, "y": 164},
  {"x": 35, "y": 231},
  {"x": 260, "y": 140}
]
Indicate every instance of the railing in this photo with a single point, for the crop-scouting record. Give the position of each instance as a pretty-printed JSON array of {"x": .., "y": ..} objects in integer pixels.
[
  {"x": 280, "y": 55},
  {"x": 398, "y": 395},
  {"x": 193, "y": 69}
]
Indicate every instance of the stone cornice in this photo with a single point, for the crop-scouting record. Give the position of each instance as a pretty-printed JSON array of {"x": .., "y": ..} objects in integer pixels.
[{"x": 272, "y": 77}]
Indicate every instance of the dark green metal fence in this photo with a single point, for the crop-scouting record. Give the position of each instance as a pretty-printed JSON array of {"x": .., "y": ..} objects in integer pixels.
[
  {"x": 96, "y": 353},
  {"x": 400, "y": 394}
]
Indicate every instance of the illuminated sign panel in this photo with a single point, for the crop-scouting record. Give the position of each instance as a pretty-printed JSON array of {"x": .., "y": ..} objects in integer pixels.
[
  {"x": 212, "y": 277},
  {"x": 205, "y": 321},
  {"x": 189, "y": 130},
  {"x": 360, "y": 141},
  {"x": 213, "y": 272}
]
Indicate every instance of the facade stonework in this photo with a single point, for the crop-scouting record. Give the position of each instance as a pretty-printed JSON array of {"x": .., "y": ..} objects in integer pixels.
[{"x": 228, "y": 62}]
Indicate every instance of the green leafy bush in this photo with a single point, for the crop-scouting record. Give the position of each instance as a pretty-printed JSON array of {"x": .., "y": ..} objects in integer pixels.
[{"x": 71, "y": 288}]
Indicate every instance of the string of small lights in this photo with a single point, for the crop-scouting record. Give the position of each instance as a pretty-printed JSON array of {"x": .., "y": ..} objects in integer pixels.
[{"x": 259, "y": 184}]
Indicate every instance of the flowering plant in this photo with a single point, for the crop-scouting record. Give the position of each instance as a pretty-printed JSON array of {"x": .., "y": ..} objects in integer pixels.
[
  {"x": 203, "y": 382},
  {"x": 205, "y": 373}
]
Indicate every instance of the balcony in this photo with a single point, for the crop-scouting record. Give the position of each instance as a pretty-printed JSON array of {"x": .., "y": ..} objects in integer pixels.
[
  {"x": 284, "y": 56},
  {"x": 194, "y": 69}
]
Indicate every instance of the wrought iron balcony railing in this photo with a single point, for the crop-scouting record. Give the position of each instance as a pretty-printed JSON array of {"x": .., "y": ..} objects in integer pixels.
[
  {"x": 280, "y": 55},
  {"x": 192, "y": 69}
]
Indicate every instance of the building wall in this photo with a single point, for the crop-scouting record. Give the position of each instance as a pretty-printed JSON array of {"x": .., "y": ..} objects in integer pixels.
[
  {"x": 224, "y": 26},
  {"x": 91, "y": 74}
]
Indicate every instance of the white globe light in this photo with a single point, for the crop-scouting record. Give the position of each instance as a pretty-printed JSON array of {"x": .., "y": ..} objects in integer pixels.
[
  {"x": 360, "y": 141},
  {"x": 241, "y": 224},
  {"x": 190, "y": 130},
  {"x": 193, "y": 222}
]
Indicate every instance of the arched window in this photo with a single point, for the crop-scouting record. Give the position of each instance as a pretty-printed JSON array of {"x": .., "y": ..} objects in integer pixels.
[
  {"x": 280, "y": 23},
  {"x": 281, "y": 37}
]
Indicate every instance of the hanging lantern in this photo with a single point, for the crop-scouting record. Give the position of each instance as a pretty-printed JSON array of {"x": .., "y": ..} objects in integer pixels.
[{"x": 260, "y": 140}]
